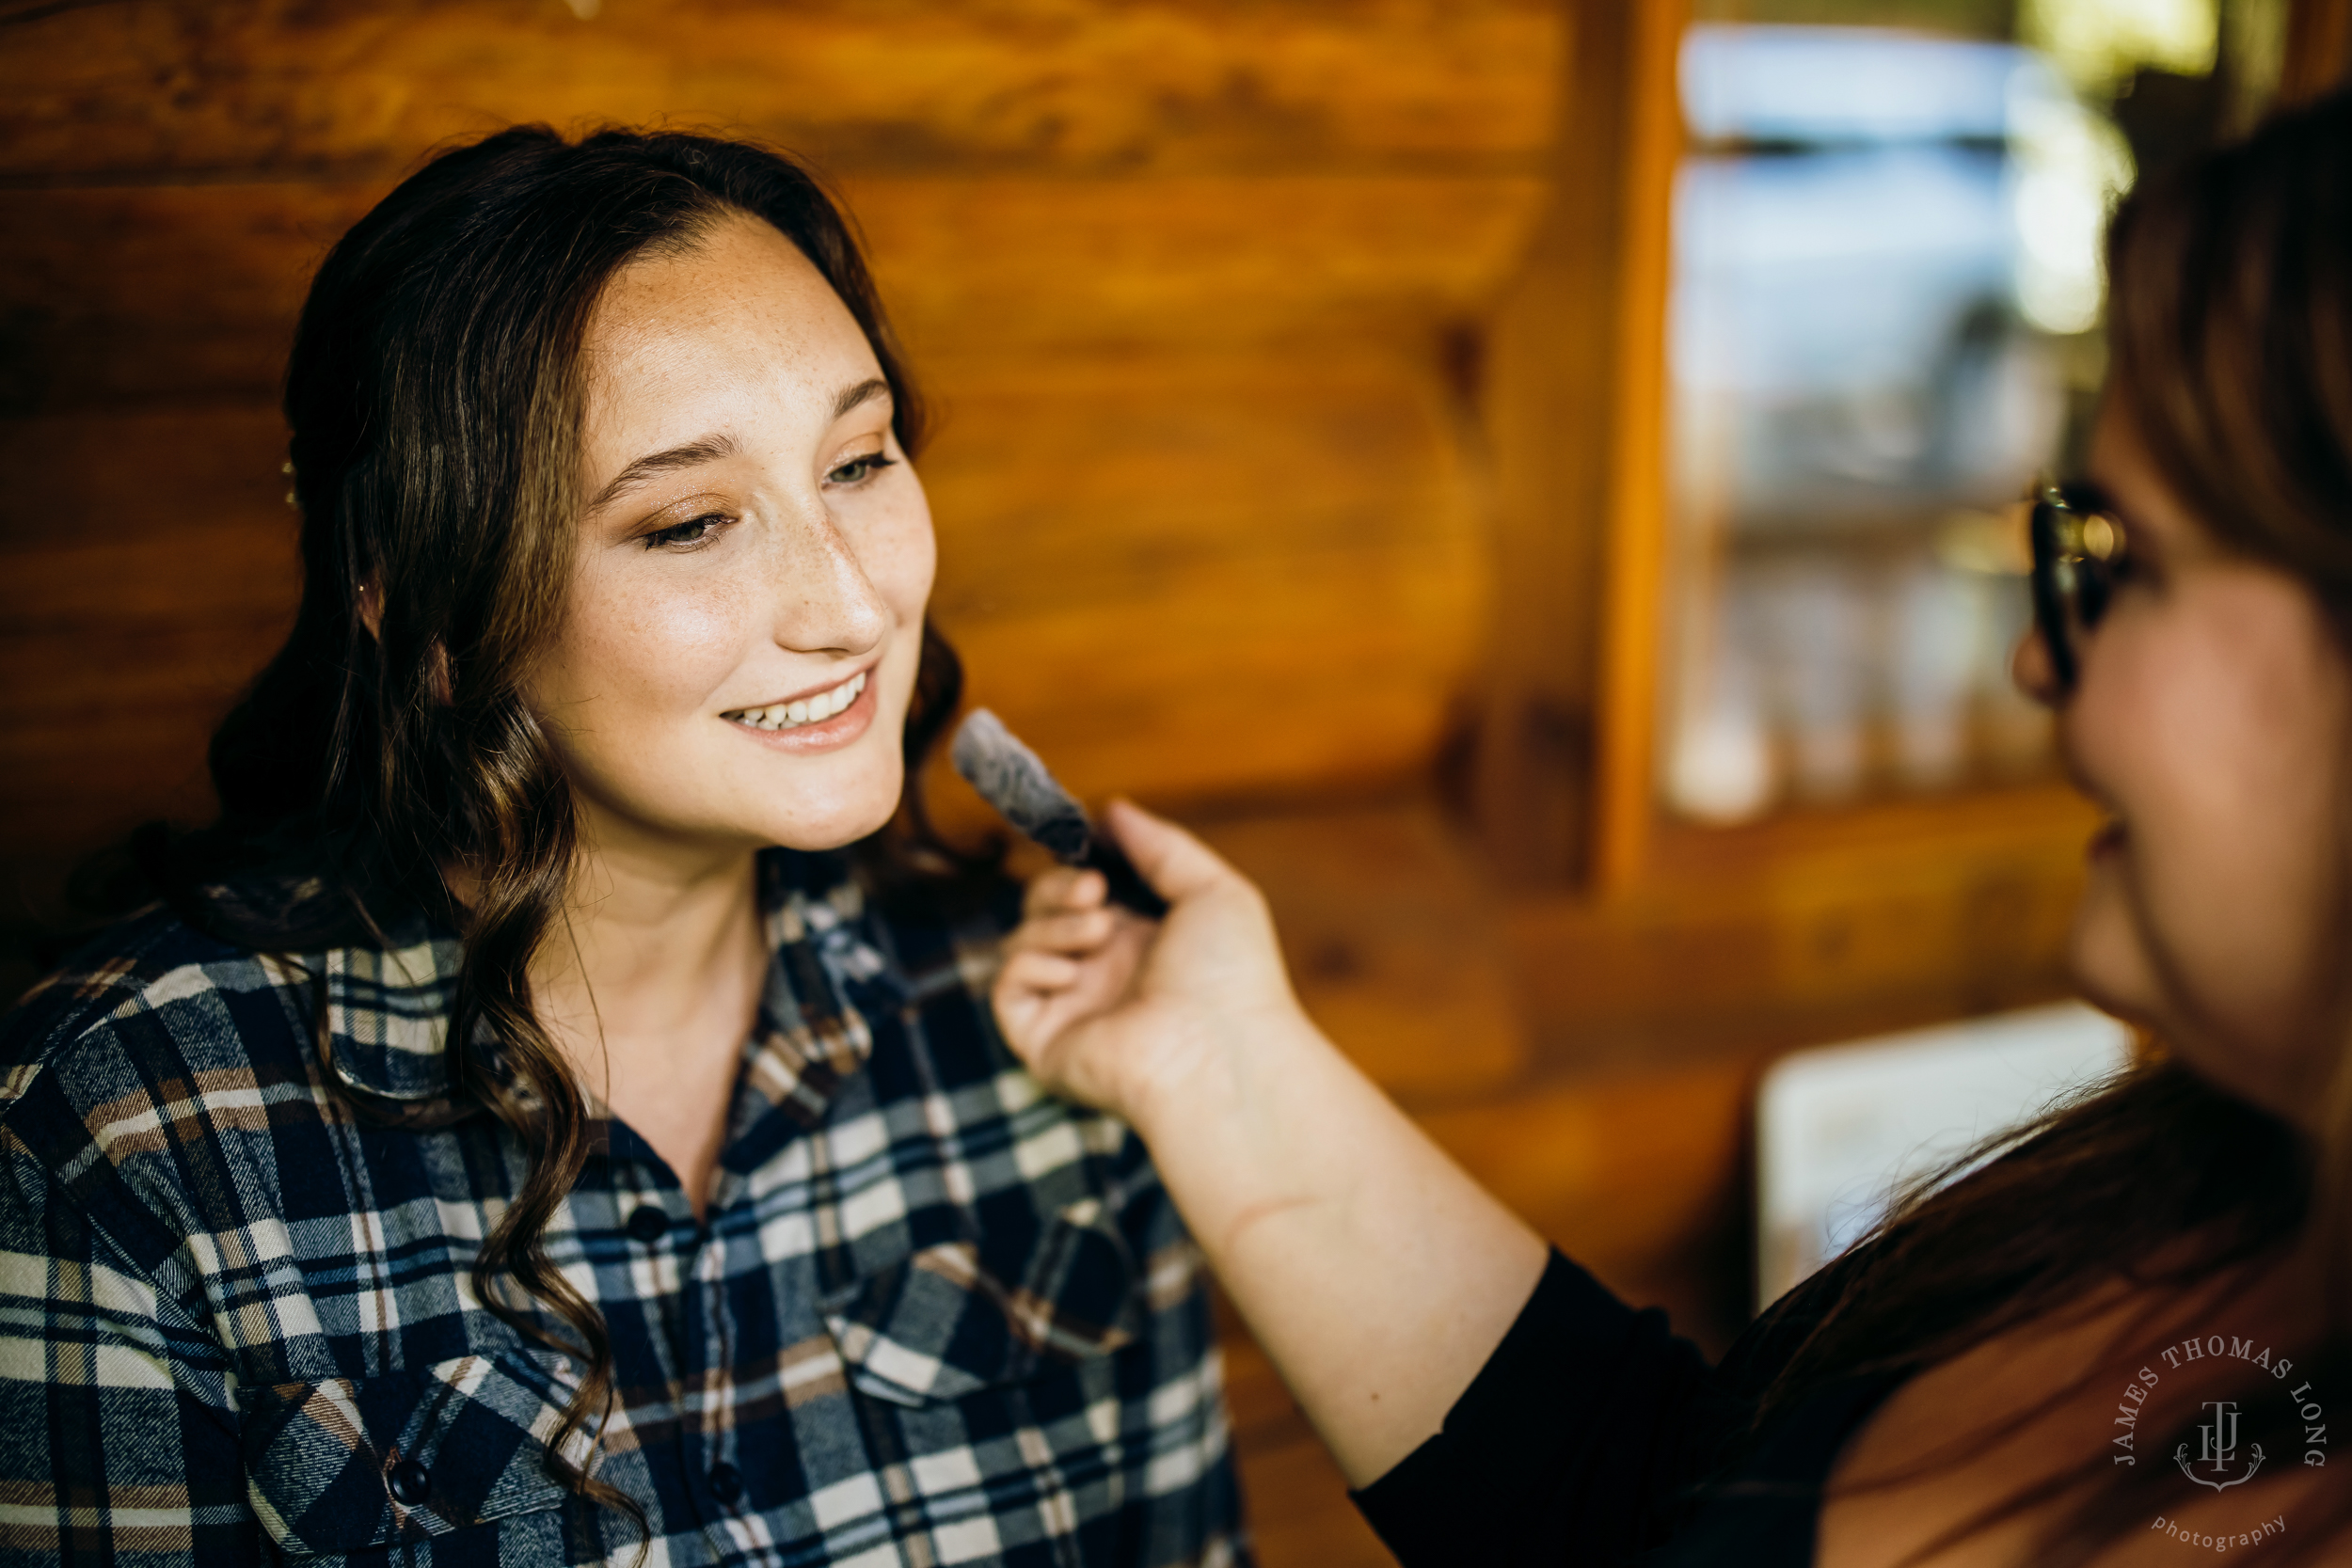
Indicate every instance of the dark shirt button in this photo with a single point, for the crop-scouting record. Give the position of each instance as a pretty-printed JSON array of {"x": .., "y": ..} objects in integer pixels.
[
  {"x": 410, "y": 1482},
  {"x": 649, "y": 1223},
  {"x": 726, "y": 1482}
]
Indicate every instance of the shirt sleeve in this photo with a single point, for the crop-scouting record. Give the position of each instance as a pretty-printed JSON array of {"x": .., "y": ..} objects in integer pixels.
[
  {"x": 118, "y": 1436},
  {"x": 1579, "y": 1440}
]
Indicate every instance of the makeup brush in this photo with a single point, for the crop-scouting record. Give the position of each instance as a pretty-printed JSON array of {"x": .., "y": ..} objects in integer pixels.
[{"x": 1010, "y": 778}]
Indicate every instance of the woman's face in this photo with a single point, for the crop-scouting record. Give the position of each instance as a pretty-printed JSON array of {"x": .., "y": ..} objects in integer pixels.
[
  {"x": 2213, "y": 719},
  {"x": 745, "y": 613}
]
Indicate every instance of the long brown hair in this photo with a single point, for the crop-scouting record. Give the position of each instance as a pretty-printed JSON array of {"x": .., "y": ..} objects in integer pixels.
[
  {"x": 434, "y": 400},
  {"x": 2231, "y": 354}
]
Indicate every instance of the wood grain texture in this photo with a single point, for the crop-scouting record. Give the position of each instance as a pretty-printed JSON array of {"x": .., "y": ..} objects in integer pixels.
[
  {"x": 1188, "y": 577},
  {"x": 1393, "y": 940},
  {"x": 1626, "y": 1175},
  {"x": 304, "y": 88},
  {"x": 1633, "y": 582},
  {"x": 154, "y": 296},
  {"x": 1549, "y": 365},
  {"x": 147, "y": 570},
  {"x": 149, "y": 297},
  {"x": 1810, "y": 929},
  {"x": 1033, "y": 263},
  {"x": 1201, "y": 575},
  {"x": 1244, "y": 369}
]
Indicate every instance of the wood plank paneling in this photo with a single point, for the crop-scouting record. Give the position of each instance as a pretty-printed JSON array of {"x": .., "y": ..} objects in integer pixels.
[
  {"x": 148, "y": 296},
  {"x": 1199, "y": 286},
  {"x": 143, "y": 295},
  {"x": 147, "y": 569},
  {"x": 1027, "y": 263},
  {"x": 1569, "y": 340},
  {"x": 136, "y": 477},
  {"x": 1209, "y": 575},
  {"x": 187, "y": 88},
  {"x": 1633, "y": 560},
  {"x": 1188, "y": 278},
  {"x": 1206, "y": 575},
  {"x": 1624, "y": 1175},
  {"x": 1393, "y": 941},
  {"x": 1805, "y": 930}
]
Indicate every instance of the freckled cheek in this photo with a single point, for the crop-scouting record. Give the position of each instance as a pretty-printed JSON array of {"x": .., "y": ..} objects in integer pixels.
[
  {"x": 903, "y": 562},
  {"x": 661, "y": 652}
]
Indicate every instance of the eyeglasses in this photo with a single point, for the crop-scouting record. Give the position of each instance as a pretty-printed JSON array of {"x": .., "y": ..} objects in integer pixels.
[{"x": 2078, "y": 553}]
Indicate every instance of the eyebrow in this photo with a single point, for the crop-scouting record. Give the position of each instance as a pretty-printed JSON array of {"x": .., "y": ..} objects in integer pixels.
[
  {"x": 711, "y": 448},
  {"x": 708, "y": 450},
  {"x": 863, "y": 393}
]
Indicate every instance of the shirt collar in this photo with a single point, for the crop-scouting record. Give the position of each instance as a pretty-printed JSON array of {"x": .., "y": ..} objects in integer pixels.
[
  {"x": 387, "y": 1012},
  {"x": 387, "y": 1006}
]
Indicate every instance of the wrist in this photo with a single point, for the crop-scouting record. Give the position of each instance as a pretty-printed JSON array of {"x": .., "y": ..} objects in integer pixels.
[{"x": 1221, "y": 1066}]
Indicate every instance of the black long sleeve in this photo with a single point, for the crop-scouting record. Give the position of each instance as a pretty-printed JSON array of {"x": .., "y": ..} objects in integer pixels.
[{"x": 1581, "y": 1439}]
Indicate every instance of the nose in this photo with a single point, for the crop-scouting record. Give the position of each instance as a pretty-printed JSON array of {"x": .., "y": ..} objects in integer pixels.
[
  {"x": 825, "y": 601},
  {"x": 2031, "y": 667}
]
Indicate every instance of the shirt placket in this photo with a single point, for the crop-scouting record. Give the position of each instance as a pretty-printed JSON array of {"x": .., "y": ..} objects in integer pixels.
[
  {"x": 707, "y": 1330},
  {"x": 682, "y": 1265}
]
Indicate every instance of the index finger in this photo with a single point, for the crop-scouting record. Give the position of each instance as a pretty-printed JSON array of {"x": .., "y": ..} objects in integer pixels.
[{"x": 1063, "y": 888}]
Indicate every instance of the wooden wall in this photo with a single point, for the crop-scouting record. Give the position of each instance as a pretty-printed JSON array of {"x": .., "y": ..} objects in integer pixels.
[
  {"x": 1197, "y": 284},
  {"x": 1184, "y": 277},
  {"x": 1284, "y": 348}
]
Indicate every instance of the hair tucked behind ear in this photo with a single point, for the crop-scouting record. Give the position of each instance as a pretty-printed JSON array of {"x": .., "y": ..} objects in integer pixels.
[{"x": 434, "y": 403}]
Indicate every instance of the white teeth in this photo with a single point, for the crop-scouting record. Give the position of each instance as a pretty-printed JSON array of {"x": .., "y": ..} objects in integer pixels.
[{"x": 807, "y": 710}]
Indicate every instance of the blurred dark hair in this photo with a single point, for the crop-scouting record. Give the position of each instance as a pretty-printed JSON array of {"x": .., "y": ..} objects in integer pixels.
[
  {"x": 2230, "y": 333},
  {"x": 434, "y": 399}
]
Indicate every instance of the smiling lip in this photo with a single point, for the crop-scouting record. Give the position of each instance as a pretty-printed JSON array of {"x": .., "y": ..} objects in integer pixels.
[
  {"x": 831, "y": 715},
  {"x": 809, "y": 707}
]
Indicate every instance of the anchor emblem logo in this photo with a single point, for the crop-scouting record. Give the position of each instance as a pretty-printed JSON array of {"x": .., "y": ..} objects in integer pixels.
[{"x": 2217, "y": 1449}]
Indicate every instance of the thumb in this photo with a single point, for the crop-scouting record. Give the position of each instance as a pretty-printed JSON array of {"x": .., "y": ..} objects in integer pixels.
[{"x": 1177, "y": 864}]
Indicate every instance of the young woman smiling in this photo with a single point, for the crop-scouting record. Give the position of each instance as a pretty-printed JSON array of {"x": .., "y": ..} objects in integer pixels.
[
  {"x": 550, "y": 1117},
  {"x": 2020, "y": 1368}
]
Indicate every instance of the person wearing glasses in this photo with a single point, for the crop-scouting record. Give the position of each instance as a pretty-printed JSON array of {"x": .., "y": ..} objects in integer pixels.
[{"x": 2121, "y": 1332}]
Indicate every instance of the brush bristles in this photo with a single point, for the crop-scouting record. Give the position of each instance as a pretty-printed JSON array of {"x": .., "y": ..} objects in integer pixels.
[{"x": 1009, "y": 777}]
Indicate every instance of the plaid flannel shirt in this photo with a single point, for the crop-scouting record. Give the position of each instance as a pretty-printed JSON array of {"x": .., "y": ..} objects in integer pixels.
[{"x": 934, "y": 1316}]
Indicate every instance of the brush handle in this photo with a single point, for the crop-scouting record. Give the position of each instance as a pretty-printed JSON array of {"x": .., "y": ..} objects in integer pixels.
[{"x": 1127, "y": 885}]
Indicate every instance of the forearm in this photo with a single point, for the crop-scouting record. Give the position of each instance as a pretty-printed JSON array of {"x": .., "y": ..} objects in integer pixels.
[{"x": 1375, "y": 1273}]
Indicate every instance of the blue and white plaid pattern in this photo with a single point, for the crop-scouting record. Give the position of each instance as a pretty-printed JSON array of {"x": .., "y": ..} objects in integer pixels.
[{"x": 933, "y": 1316}]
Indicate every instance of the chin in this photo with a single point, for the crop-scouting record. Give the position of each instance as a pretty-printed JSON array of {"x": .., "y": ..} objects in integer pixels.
[
  {"x": 841, "y": 819},
  {"x": 2109, "y": 956},
  {"x": 836, "y": 833}
]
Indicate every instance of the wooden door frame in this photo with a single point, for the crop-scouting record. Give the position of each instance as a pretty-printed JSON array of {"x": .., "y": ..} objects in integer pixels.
[
  {"x": 1568, "y": 732},
  {"x": 1574, "y": 425},
  {"x": 1632, "y": 604}
]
